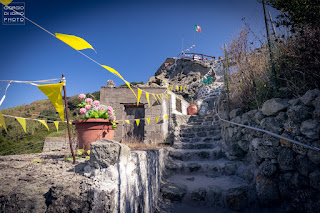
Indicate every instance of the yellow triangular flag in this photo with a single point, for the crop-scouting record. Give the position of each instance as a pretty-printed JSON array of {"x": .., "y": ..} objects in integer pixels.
[
  {"x": 180, "y": 88},
  {"x": 184, "y": 88},
  {"x": 44, "y": 123},
  {"x": 171, "y": 87},
  {"x": 2, "y": 123},
  {"x": 155, "y": 98},
  {"x": 138, "y": 122},
  {"x": 74, "y": 41},
  {"x": 165, "y": 117},
  {"x": 147, "y": 96},
  {"x": 139, "y": 95},
  {"x": 116, "y": 73},
  {"x": 158, "y": 98},
  {"x": 23, "y": 123},
  {"x": 5, "y": 2},
  {"x": 157, "y": 119},
  {"x": 128, "y": 122},
  {"x": 177, "y": 88},
  {"x": 53, "y": 92},
  {"x": 148, "y": 120},
  {"x": 56, "y": 123}
]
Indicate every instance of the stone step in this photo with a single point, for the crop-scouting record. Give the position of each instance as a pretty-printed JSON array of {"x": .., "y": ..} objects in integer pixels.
[
  {"x": 203, "y": 122},
  {"x": 195, "y": 139},
  {"x": 194, "y": 133},
  {"x": 226, "y": 191},
  {"x": 196, "y": 154},
  {"x": 210, "y": 168},
  {"x": 201, "y": 128},
  {"x": 198, "y": 145}
]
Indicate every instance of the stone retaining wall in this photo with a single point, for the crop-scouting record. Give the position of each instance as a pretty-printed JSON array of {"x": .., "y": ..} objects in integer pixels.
[
  {"x": 55, "y": 144},
  {"x": 124, "y": 180},
  {"x": 283, "y": 173}
]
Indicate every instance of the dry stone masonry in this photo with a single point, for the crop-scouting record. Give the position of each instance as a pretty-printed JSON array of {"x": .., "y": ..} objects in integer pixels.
[{"x": 282, "y": 173}]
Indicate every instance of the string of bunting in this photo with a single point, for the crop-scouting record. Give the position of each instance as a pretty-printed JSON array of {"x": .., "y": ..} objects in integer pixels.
[
  {"x": 23, "y": 121},
  {"x": 78, "y": 44},
  {"x": 52, "y": 91}
]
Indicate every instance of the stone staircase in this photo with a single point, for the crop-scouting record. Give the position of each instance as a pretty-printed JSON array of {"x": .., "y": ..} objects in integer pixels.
[{"x": 199, "y": 177}]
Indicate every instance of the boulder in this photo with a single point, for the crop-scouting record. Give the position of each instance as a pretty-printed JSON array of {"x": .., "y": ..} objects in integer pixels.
[
  {"x": 316, "y": 103},
  {"x": 314, "y": 156},
  {"x": 267, "y": 191},
  {"x": 105, "y": 153},
  {"x": 271, "y": 125},
  {"x": 286, "y": 159},
  {"x": 304, "y": 165},
  {"x": 273, "y": 106},
  {"x": 258, "y": 117},
  {"x": 267, "y": 168},
  {"x": 315, "y": 179},
  {"x": 236, "y": 112},
  {"x": 299, "y": 113},
  {"x": 310, "y": 128},
  {"x": 309, "y": 96}
]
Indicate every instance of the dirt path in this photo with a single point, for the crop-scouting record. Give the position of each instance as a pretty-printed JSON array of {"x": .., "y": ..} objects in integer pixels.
[{"x": 53, "y": 185}]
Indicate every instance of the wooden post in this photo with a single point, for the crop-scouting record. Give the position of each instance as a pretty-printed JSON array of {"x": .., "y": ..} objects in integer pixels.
[
  {"x": 273, "y": 28},
  {"x": 274, "y": 75},
  {"x": 226, "y": 80},
  {"x": 68, "y": 124}
]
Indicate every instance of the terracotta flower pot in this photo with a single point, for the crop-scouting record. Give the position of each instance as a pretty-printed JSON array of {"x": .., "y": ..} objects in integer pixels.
[
  {"x": 91, "y": 130},
  {"x": 192, "y": 109}
]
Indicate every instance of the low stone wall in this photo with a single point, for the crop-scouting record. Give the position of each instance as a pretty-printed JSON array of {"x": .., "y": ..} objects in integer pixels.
[
  {"x": 55, "y": 144},
  {"x": 124, "y": 180},
  {"x": 283, "y": 173}
]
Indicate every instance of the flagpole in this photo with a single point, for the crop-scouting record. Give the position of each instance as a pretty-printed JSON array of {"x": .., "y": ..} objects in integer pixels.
[
  {"x": 68, "y": 124},
  {"x": 194, "y": 36}
]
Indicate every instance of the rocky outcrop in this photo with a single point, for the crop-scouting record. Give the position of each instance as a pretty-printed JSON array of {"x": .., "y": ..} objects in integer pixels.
[
  {"x": 284, "y": 173},
  {"x": 179, "y": 72}
]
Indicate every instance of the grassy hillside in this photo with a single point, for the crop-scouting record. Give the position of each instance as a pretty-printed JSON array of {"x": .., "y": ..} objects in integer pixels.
[{"x": 16, "y": 141}]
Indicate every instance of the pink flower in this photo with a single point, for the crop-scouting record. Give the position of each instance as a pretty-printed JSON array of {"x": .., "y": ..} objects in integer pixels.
[
  {"x": 110, "y": 110},
  {"x": 88, "y": 100},
  {"x": 101, "y": 109},
  {"x": 111, "y": 118},
  {"x": 82, "y": 96},
  {"x": 82, "y": 111},
  {"x": 87, "y": 107},
  {"x": 97, "y": 103},
  {"x": 93, "y": 106}
]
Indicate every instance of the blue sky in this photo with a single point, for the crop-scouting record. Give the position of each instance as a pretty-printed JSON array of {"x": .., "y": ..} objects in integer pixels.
[{"x": 133, "y": 37}]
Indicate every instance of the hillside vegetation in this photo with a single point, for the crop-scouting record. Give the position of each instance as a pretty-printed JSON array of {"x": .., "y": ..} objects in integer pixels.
[{"x": 16, "y": 141}]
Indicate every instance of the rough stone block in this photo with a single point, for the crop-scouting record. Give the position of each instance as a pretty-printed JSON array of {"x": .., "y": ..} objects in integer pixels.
[
  {"x": 106, "y": 153},
  {"x": 286, "y": 159},
  {"x": 273, "y": 106}
]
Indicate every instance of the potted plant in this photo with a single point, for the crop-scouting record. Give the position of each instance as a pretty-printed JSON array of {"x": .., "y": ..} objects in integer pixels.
[
  {"x": 192, "y": 109},
  {"x": 99, "y": 122}
]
